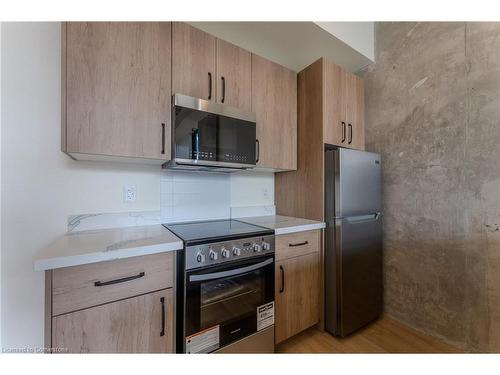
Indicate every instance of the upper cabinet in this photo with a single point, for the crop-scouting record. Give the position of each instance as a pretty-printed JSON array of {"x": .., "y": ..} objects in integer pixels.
[
  {"x": 343, "y": 107},
  {"x": 209, "y": 68},
  {"x": 193, "y": 62},
  {"x": 274, "y": 101},
  {"x": 118, "y": 79},
  {"x": 234, "y": 76},
  {"x": 116, "y": 89}
]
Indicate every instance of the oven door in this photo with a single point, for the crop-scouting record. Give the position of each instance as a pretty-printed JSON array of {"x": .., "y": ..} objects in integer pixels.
[{"x": 228, "y": 302}]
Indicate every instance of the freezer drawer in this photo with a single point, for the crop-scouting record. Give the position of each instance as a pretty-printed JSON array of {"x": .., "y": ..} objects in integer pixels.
[{"x": 353, "y": 277}]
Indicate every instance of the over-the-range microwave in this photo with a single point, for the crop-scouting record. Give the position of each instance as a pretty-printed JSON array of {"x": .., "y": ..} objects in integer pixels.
[{"x": 211, "y": 136}]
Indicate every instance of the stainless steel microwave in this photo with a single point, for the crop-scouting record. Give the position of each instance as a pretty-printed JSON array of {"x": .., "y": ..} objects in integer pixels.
[{"x": 212, "y": 137}]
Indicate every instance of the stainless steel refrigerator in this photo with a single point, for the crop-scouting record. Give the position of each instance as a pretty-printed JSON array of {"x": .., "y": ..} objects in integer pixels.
[{"x": 353, "y": 239}]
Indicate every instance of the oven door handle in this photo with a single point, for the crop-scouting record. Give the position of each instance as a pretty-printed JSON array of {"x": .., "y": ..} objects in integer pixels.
[{"x": 218, "y": 275}]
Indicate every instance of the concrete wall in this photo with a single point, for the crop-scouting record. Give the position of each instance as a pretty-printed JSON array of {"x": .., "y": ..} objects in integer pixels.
[{"x": 433, "y": 112}]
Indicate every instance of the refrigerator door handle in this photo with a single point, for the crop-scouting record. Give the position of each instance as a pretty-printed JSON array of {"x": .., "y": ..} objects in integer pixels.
[{"x": 363, "y": 218}]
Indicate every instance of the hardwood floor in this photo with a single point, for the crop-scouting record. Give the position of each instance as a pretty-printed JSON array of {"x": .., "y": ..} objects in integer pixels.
[{"x": 384, "y": 336}]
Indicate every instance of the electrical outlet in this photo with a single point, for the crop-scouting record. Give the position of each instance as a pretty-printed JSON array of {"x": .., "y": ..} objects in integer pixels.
[
  {"x": 129, "y": 194},
  {"x": 265, "y": 193}
]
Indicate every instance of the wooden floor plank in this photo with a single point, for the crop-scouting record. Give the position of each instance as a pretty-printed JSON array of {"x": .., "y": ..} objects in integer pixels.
[{"x": 383, "y": 336}]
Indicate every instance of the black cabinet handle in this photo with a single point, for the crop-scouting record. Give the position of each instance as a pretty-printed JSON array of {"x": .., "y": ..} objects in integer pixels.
[
  {"x": 282, "y": 289},
  {"x": 350, "y": 134},
  {"x": 298, "y": 244},
  {"x": 223, "y": 89},
  {"x": 258, "y": 151},
  {"x": 343, "y": 131},
  {"x": 163, "y": 139},
  {"x": 209, "y": 85},
  {"x": 118, "y": 281},
  {"x": 162, "y": 301}
]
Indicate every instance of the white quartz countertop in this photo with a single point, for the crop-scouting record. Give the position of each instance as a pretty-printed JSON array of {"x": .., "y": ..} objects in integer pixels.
[
  {"x": 85, "y": 247},
  {"x": 284, "y": 224}
]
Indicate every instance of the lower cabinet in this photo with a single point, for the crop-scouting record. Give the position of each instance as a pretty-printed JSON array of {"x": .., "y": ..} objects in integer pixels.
[
  {"x": 142, "y": 324},
  {"x": 297, "y": 283},
  {"x": 118, "y": 306}
]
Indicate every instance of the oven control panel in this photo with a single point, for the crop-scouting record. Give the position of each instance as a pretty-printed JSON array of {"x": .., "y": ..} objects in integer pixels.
[{"x": 226, "y": 251}]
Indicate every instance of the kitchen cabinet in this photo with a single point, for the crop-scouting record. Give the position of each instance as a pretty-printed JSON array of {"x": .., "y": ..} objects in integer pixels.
[
  {"x": 209, "y": 68},
  {"x": 116, "y": 89},
  {"x": 343, "y": 106},
  {"x": 297, "y": 283},
  {"x": 274, "y": 101},
  {"x": 355, "y": 111},
  {"x": 142, "y": 324},
  {"x": 119, "y": 306},
  {"x": 193, "y": 62},
  {"x": 234, "y": 76},
  {"x": 330, "y": 110}
]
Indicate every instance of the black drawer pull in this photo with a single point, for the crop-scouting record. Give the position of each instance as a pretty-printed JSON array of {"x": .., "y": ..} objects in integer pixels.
[
  {"x": 118, "y": 281},
  {"x": 163, "y": 139},
  {"x": 209, "y": 86},
  {"x": 343, "y": 131},
  {"x": 298, "y": 244},
  {"x": 282, "y": 289},
  {"x": 162, "y": 301},
  {"x": 350, "y": 134},
  {"x": 223, "y": 89}
]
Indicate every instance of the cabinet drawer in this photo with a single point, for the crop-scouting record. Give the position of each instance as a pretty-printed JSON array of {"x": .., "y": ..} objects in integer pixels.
[
  {"x": 79, "y": 287},
  {"x": 295, "y": 244}
]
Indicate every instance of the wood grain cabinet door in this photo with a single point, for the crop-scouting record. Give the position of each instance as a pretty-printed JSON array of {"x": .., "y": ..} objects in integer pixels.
[
  {"x": 116, "y": 88},
  {"x": 234, "y": 76},
  {"x": 356, "y": 111},
  {"x": 334, "y": 109},
  {"x": 274, "y": 101},
  {"x": 142, "y": 324},
  {"x": 193, "y": 62},
  {"x": 353, "y": 104},
  {"x": 297, "y": 295}
]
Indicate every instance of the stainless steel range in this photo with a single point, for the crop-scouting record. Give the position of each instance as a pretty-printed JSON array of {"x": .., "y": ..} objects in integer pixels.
[{"x": 225, "y": 287}]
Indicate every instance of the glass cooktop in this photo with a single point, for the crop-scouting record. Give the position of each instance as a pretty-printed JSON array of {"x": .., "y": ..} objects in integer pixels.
[{"x": 215, "y": 230}]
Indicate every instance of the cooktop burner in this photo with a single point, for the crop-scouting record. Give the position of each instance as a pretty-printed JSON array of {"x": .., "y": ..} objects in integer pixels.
[{"x": 215, "y": 230}]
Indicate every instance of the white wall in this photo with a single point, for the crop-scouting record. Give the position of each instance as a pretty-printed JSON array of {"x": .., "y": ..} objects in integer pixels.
[
  {"x": 252, "y": 189},
  {"x": 41, "y": 186},
  {"x": 0, "y": 184},
  {"x": 358, "y": 35}
]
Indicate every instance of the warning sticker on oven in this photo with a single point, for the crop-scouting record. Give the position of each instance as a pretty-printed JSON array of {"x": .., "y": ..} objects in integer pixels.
[
  {"x": 265, "y": 316},
  {"x": 205, "y": 341}
]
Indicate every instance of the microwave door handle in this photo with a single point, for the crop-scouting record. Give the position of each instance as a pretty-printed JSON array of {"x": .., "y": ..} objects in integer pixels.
[{"x": 218, "y": 275}]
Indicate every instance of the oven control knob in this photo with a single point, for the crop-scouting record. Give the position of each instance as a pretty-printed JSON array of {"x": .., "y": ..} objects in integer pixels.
[
  {"x": 256, "y": 248},
  {"x": 213, "y": 255},
  {"x": 266, "y": 245},
  {"x": 225, "y": 253},
  {"x": 236, "y": 251},
  {"x": 200, "y": 257}
]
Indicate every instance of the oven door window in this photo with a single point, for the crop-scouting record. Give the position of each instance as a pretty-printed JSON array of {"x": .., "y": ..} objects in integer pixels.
[{"x": 229, "y": 302}]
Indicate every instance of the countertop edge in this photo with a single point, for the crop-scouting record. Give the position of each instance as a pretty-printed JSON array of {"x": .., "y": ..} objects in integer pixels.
[
  {"x": 103, "y": 256},
  {"x": 299, "y": 228}
]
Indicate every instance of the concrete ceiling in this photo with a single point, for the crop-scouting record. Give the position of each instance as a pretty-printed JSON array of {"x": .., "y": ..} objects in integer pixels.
[{"x": 292, "y": 44}]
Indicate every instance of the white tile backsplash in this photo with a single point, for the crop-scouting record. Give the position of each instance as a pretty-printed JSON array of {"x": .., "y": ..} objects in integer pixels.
[{"x": 189, "y": 196}]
